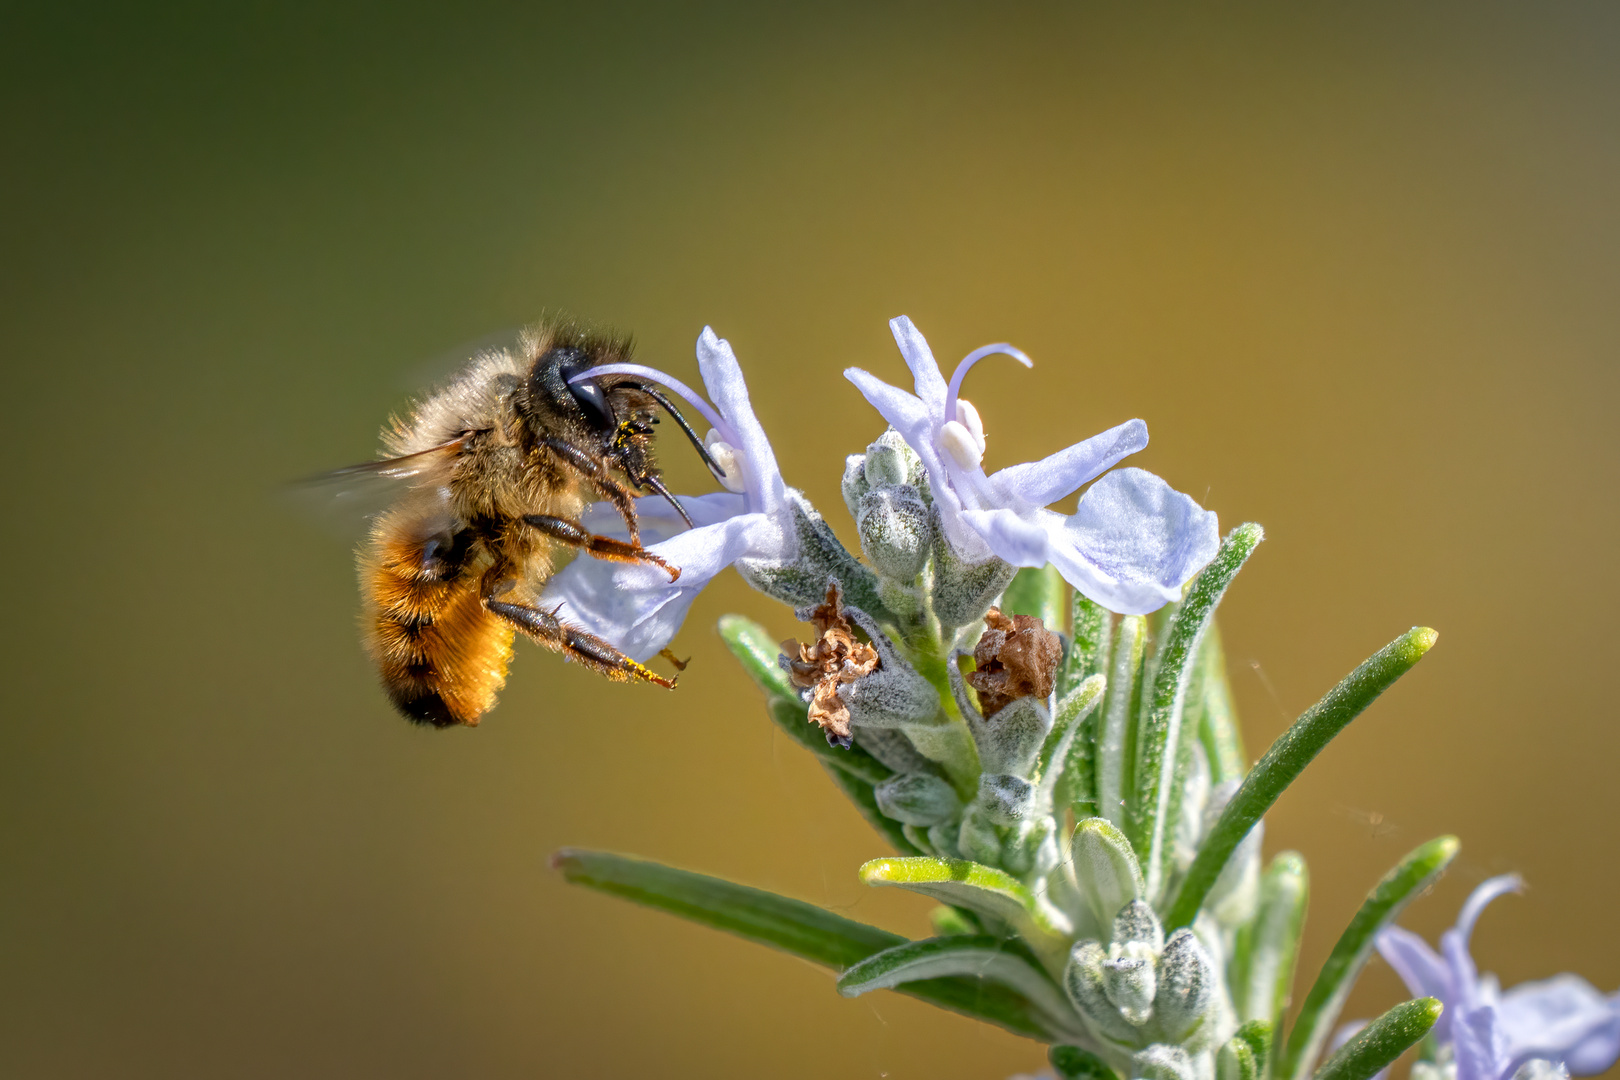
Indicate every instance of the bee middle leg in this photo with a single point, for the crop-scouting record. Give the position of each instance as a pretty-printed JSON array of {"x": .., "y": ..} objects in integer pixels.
[
  {"x": 545, "y": 628},
  {"x": 576, "y": 535},
  {"x": 622, "y": 498}
]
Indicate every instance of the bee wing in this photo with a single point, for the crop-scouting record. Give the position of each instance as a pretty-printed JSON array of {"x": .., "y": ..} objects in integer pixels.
[{"x": 346, "y": 499}]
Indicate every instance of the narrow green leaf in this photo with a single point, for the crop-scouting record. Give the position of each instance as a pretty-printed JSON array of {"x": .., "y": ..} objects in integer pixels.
[
  {"x": 1381, "y": 1041},
  {"x": 1066, "y": 727},
  {"x": 983, "y": 890},
  {"x": 1116, "y": 739},
  {"x": 1317, "y": 1015},
  {"x": 793, "y": 926},
  {"x": 1287, "y": 758},
  {"x": 1217, "y": 719},
  {"x": 1153, "y": 802},
  {"x": 1039, "y": 591},
  {"x": 980, "y": 956},
  {"x": 1088, "y": 652},
  {"x": 1236, "y": 1060},
  {"x": 1258, "y": 1034},
  {"x": 1263, "y": 969},
  {"x": 1073, "y": 1063},
  {"x": 757, "y": 651}
]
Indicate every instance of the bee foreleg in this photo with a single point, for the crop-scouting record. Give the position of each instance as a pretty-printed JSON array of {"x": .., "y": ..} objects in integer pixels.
[
  {"x": 622, "y": 498},
  {"x": 588, "y": 649},
  {"x": 576, "y": 535}
]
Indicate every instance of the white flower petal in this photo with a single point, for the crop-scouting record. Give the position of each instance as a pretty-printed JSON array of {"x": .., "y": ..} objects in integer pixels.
[
  {"x": 1476, "y": 1036},
  {"x": 931, "y": 386},
  {"x": 635, "y": 606},
  {"x": 906, "y": 413},
  {"x": 658, "y": 520},
  {"x": 1014, "y": 538},
  {"x": 1133, "y": 542},
  {"x": 1039, "y": 483},
  {"x": 1419, "y": 966},
  {"x": 723, "y": 379}
]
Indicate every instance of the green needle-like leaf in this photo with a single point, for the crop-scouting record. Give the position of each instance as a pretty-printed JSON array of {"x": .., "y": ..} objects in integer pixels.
[
  {"x": 1088, "y": 653},
  {"x": 1066, "y": 723},
  {"x": 1039, "y": 591},
  {"x": 1317, "y": 1016},
  {"x": 793, "y": 926},
  {"x": 1154, "y": 802},
  {"x": 1287, "y": 758},
  {"x": 1382, "y": 1041},
  {"x": 1116, "y": 735},
  {"x": 979, "y": 956},
  {"x": 1263, "y": 968},
  {"x": 1217, "y": 716},
  {"x": 1073, "y": 1063},
  {"x": 984, "y": 890}
]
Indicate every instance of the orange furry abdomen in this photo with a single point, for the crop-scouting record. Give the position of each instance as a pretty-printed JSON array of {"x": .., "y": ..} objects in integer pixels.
[{"x": 441, "y": 654}]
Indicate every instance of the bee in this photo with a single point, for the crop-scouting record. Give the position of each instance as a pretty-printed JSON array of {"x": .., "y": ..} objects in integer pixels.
[{"x": 496, "y": 468}]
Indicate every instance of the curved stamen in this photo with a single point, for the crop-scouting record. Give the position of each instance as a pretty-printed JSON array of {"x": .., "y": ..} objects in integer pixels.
[
  {"x": 1483, "y": 895},
  {"x": 714, "y": 418},
  {"x": 973, "y": 358}
]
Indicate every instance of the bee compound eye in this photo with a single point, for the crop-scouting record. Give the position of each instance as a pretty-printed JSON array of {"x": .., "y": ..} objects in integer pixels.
[{"x": 593, "y": 402}]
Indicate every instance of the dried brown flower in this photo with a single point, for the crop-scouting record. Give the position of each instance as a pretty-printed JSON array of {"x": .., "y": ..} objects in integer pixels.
[
  {"x": 1016, "y": 658},
  {"x": 834, "y": 658}
]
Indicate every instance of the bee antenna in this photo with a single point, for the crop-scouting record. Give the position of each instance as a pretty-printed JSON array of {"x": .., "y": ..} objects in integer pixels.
[
  {"x": 669, "y": 407},
  {"x": 656, "y": 482}
]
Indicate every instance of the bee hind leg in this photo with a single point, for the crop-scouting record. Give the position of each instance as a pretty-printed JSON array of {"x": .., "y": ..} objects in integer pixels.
[
  {"x": 588, "y": 649},
  {"x": 576, "y": 535}
]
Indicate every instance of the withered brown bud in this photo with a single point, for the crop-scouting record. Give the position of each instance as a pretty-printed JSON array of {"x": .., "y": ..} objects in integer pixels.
[
  {"x": 834, "y": 658},
  {"x": 1016, "y": 658}
]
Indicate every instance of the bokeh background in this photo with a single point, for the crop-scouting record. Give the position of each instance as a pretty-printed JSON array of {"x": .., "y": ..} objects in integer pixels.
[{"x": 1356, "y": 265}]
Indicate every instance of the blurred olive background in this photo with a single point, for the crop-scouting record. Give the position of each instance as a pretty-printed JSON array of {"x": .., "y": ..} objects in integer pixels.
[{"x": 1356, "y": 265}]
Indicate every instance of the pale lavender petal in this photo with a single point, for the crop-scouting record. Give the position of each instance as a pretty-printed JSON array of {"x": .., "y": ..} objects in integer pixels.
[
  {"x": 1419, "y": 966},
  {"x": 1563, "y": 1018},
  {"x": 1038, "y": 483},
  {"x": 1014, "y": 538},
  {"x": 635, "y": 606},
  {"x": 1133, "y": 542},
  {"x": 658, "y": 520},
  {"x": 924, "y": 370},
  {"x": 1476, "y": 1036},
  {"x": 906, "y": 413},
  {"x": 1464, "y": 976},
  {"x": 723, "y": 379}
]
